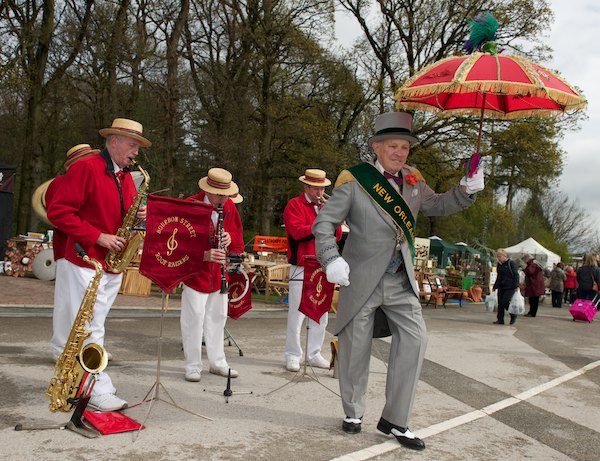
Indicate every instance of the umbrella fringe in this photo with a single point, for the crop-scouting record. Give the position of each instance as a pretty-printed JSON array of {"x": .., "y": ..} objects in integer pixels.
[
  {"x": 535, "y": 88},
  {"x": 502, "y": 88},
  {"x": 571, "y": 102},
  {"x": 476, "y": 112}
]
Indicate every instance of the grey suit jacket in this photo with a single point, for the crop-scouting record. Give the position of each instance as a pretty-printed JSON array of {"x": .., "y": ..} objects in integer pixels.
[{"x": 371, "y": 242}]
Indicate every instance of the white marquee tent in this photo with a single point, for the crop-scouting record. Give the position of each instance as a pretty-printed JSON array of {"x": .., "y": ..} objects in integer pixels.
[{"x": 531, "y": 246}]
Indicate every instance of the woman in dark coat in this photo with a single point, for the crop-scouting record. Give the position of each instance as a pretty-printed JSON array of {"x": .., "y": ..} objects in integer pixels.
[
  {"x": 534, "y": 283},
  {"x": 506, "y": 283},
  {"x": 586, "y": 276}
]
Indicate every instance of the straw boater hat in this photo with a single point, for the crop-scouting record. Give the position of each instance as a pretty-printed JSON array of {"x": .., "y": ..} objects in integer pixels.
[
  {"x": 78, "y": 151},
  {"x": 38, "y": 201},
  {"x": 236, "y": 198},
  {"x": 218, "y": 182},
  {"x": 314, "y": 177},
  {"x": 126, "y": 127},
  {"x": 393, "y": 125}
]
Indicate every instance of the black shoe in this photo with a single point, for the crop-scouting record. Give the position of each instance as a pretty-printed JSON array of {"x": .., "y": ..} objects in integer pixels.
[
  {"x": 350, "y": 427},
  {"x": 402, "y": 434},
  {"x": 498, "y": 323},
  {"x": 512, "y": 321},
  {"x": 528, "y": 315}
]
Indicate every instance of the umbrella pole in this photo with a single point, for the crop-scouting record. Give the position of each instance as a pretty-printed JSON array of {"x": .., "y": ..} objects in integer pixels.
[
  {"x": 474, "y": 160},
  {"x": 481, "y": 124}
]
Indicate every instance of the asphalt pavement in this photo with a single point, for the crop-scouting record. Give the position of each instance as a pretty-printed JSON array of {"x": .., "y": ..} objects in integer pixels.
[{"x": 487, "y": 392}]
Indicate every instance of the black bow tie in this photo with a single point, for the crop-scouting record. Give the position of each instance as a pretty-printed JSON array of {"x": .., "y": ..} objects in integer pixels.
[{"x": 397, "y": 179}]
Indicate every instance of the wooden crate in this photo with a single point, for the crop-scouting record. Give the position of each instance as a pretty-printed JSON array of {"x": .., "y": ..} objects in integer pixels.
[{"x": 135, "y": 283}]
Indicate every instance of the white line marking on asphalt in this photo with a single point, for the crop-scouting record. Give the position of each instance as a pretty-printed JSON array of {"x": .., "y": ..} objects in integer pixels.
[{"x": 376, "y": 450}]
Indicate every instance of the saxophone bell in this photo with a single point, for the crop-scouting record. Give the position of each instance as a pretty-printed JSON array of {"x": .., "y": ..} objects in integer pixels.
[{"x": 93, "y": 358}]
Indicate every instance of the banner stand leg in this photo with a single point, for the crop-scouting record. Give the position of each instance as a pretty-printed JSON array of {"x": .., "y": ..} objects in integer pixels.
[
  {"x": 303, "y": 373},
  {"x": 229, "y": 337},
  {"x": 156, "y": 387}
]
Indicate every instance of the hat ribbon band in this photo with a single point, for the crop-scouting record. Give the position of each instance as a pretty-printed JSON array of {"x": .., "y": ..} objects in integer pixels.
[
  {"x": 83, "y": 150},
  {"x": 313, "y": 179},
  {"x": 128, "y": 130},
  {"x": 393, "y": 130},
  {"x": 217, "y": 184}
]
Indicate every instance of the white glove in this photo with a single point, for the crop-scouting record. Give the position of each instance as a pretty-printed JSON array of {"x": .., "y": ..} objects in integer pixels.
[
  {"x": 338, "y": 272},
  {"x": 475, "y": 183}
]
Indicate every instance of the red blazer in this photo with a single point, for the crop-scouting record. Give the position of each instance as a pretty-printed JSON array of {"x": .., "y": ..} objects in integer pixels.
[
  {"x": 209, "y": 279},
  {"x": 87, "y": 204},
  {"x": 59, "y": 239},
  {"x": 298, "y": 216}
]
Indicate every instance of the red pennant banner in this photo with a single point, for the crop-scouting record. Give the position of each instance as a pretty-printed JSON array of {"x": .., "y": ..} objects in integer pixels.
[
  {"x": 317, "y": 292},
  {"x": 176, "y": 238},
  {"x": 239, "y": 304}
]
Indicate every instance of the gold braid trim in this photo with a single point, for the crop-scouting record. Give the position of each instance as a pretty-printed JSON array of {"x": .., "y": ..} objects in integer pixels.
[{"x": 344, "y": 177}]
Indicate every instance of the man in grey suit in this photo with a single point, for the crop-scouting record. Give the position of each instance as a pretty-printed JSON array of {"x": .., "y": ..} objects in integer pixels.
[{"x": 379, "y": 203}]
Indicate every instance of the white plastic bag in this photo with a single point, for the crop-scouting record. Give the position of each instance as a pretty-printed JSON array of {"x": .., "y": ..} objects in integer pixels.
[
  {"x": 491, "y": 301},
  {"x": 517, "y": 303}
]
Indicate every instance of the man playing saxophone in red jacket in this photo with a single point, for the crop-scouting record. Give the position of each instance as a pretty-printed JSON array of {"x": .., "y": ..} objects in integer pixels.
[{"x": 89, "y": 207}]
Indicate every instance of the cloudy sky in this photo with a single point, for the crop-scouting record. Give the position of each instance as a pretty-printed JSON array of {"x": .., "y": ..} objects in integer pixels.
[
  {"x": 574, "y": 39},
  {"x": 576, "y": 54}
]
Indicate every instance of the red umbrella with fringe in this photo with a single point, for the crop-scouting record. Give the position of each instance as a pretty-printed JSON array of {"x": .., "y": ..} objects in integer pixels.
[{"x": 488, "y": 84}]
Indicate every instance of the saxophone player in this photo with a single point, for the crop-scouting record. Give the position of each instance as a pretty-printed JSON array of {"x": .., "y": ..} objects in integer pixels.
[
  {"x": 89, "y": 207},
  {"x": 203, "y": 302}
]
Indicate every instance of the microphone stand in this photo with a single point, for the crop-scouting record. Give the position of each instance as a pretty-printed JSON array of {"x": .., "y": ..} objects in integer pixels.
[{"x": 228, "y": 392}]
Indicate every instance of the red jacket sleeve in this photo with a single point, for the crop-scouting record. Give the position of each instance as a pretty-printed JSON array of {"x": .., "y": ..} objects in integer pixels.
[{"x": 68, "y": 200}]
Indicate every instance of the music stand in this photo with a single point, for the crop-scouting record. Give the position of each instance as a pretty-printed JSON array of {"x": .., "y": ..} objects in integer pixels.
[
  {"x": 302, "y": 373},
  {"x": 155, "y": 389}
]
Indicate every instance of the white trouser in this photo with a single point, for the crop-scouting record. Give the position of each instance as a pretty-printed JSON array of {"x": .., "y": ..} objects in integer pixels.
[
  {"x": 69, "y": 290},
  {"x": 316, "y": 331},
  {"x": 203, "y": 314}
]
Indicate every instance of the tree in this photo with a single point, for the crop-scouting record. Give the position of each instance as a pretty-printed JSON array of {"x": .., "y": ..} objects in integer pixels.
[
  {"x": 570, "y": 224},
  {"x": 526, "y": 156},
  {"x": 43, "y": 48}
]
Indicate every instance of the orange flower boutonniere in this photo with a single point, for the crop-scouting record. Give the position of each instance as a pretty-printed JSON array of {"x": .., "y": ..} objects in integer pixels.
[{"x": 411, "y": 179}]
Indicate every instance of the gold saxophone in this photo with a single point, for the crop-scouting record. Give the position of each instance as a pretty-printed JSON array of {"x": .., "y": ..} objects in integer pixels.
[
  {"x": 77, "y": 359},
  {"x": 117, "y": 261}
]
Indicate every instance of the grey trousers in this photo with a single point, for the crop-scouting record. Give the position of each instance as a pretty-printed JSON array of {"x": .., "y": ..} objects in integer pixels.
[{"x": 409, "y": 341}]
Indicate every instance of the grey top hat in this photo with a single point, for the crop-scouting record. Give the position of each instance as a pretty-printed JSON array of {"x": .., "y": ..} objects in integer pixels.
[{"x": 393, "y": 125}]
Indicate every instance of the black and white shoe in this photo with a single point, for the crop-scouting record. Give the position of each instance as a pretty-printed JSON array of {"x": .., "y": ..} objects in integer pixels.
[
  {"x": 402, "y": 434},
  {"x": 351, "y": 425}
]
